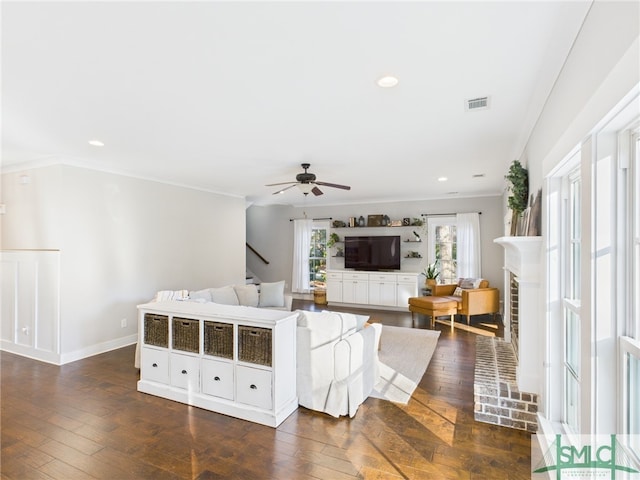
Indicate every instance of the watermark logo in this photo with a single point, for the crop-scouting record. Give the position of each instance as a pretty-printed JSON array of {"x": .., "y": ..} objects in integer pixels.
[{"x": 586, "y": 457}]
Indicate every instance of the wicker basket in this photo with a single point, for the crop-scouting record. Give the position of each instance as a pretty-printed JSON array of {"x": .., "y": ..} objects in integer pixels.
[
  {"x": 186, "y": 334},
  {"x": 218, "y": 339},
  {"x": 156, "y": 330},
  {"x": 254, "y": 345}
]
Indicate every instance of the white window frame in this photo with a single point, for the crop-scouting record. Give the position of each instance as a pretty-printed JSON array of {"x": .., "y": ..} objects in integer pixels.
[
  {"x": 629, "y": 343},
  {"x": 433, "y": 223},
  {"x": 571, "y": 332},
  {"x": 320, "y": 225}
]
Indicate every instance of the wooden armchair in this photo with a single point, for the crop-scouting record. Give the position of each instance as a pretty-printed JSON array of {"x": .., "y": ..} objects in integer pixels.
[{"x": 474, "y": 301}]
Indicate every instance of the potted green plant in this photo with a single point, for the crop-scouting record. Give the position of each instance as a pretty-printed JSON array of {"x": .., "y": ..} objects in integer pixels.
[
  {"x": 431, "y": 274},
  {"x": 333, "y": 239},
  {"x": 517, "y": 201}
]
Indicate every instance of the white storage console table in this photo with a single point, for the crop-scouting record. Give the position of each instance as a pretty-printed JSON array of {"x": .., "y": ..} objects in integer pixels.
[{"x": 239, "y": 361}]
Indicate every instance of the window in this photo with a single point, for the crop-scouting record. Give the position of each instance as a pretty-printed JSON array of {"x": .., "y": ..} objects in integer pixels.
[
  {"x": 629, "y": 357},
  {"x": 593, "y": 284},
  {"x": 442, "y": 247},
  {"x": 571, "y": 305},
  {"x": 318, "y": 256},
  {"x": 634, "y": 328}
]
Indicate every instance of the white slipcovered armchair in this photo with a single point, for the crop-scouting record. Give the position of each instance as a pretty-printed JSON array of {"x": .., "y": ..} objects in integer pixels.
[{"x": 337, "y": 361}]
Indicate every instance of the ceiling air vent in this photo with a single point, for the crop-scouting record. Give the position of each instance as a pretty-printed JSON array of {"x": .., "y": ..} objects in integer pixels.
[{"x": 480, "y": 103}]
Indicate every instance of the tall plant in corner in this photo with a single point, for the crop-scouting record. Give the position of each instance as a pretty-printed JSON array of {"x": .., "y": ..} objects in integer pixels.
[{"x": 517, "y": 201}]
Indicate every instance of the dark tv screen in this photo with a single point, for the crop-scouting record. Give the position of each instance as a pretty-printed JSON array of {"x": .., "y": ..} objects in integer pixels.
[{"x": 372, "y": 253}]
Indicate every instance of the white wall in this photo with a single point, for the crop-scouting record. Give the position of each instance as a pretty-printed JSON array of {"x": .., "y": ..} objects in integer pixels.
[
  {"x": 120, "y": 239},
  {"x": 270, "y": 231},
  {"x": 602, "y": 68}
]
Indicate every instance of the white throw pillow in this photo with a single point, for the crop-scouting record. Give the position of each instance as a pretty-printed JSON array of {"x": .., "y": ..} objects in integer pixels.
[
  {"x": 247, "y": 295},
  {"x": 272, "y": 294},
  {"x": 469, "y": 282},
  {"x": 201, "y": 295},
  {"x": 224, "y": 295}
]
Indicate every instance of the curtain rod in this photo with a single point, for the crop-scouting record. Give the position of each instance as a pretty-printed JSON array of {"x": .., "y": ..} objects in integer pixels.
[
  {"x": 305, "y": 218},
  {"x": 444, "y": 214}
]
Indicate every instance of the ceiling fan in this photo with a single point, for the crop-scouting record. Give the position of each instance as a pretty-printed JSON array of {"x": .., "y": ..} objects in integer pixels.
[{"x": 306, "y": 182}]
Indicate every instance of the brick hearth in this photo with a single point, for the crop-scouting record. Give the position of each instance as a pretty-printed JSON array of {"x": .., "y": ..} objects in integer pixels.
[{"x": 497, "y": 398}]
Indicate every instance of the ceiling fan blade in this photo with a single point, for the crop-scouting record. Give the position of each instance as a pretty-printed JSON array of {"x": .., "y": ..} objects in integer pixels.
[
  {"x": 282, "y": 183},
  {"x": 282, "y": 190},
  {"x": 334, "y": 185},
  {"x": 316, "y": 191}
]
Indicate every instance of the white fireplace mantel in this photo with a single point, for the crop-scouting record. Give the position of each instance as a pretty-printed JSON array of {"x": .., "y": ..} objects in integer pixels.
[{"x": 522, "y": 259}]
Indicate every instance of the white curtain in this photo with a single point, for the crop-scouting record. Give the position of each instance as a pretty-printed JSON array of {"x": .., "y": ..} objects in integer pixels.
[
  {"x": 301, "y": 243},
  {"x": 468, "y": 245}
]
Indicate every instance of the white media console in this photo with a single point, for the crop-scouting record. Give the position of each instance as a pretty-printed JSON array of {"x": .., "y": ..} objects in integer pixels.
[{"x": 381, "y": 289}]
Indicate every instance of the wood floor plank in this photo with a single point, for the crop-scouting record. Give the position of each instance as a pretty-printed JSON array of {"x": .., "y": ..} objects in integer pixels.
[{"x": 86, "y": 420}]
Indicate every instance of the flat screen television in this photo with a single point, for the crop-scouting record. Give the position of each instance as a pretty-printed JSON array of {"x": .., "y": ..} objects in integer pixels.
[{"x": 372, "y": 253}]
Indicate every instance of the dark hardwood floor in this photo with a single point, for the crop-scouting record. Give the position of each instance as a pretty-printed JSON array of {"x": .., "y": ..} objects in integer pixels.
[{"x": 86, "y": 420}]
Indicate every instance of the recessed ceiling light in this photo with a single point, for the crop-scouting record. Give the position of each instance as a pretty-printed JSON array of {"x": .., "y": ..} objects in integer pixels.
[
  {"x": 442, "y": 179},
  {"x": 96, "y": 143},
  {"x": 388, "y": 81}
]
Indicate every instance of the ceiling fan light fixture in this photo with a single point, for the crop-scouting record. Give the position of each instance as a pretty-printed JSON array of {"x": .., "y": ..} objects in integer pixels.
[
  {"x": 387, "y": 81},
  {"x": 305, "y": 188}
]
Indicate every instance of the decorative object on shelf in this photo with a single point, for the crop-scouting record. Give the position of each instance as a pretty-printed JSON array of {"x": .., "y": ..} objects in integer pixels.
[
  {"x": 535, "y": 216},
  {"x": 431, "y": 274},
  {"x": 406, "y": 222},
  {"x": 339, "y": 252},
  {"x": 374, "y": 220},
  {"x": 417, "y": 222},
  {"x": 333, "y": 238},
  {"x": 339, "y": 224},
  {"x": 396, "y": 223},
  {"x": 517, "y": 201},
  {"x": 353, "y": 222},
  {"x": 361, "y": 221},
  {"x": 413, "y": 254},
  {"x": 386, "y": 221},
  {"x": 415, "y": 234}
]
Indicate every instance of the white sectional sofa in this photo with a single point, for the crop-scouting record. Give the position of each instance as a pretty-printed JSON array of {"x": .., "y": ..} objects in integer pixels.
[{"x": 265, "y": 295}]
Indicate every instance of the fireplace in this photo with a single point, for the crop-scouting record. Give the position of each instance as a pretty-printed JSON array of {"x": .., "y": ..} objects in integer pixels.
[
  {"x": 506, "y": 383},
  {"x": 522, "y": 277}
]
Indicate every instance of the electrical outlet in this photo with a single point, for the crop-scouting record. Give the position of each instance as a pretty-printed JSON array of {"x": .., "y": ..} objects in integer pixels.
[{"x": 123, "y": 323}]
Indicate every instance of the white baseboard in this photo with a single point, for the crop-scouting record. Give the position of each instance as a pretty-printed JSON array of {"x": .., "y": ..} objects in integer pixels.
[
  {"x": 61, "y": 359},
  {"x": 30, "y": 352},
  {"x": 98, "y": 349}
]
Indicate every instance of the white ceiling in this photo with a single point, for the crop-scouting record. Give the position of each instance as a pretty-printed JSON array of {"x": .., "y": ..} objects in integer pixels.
[{"x": 230, "y": 96}]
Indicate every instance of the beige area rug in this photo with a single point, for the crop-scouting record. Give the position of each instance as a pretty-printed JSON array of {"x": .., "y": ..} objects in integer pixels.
[{"x": 404, "y": 357}]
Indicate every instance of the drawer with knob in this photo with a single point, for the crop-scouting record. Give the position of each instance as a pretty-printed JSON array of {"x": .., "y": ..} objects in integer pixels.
[
  {"x": 154, "y": 365},
  {"x": 253, "y": 387},
  {"x": 217, "y": 378},
  {"x": 185, "y": 372}
]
